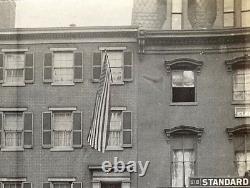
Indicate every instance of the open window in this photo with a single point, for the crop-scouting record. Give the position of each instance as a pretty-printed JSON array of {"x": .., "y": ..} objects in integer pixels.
[{"x": 183, "y": 80}]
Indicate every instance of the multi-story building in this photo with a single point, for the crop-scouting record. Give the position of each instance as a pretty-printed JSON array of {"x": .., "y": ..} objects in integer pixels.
[{"x": 179, "y": 98}]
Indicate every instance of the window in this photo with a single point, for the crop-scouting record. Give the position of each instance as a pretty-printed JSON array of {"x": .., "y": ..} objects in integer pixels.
[
  {"x": 15, "y": 183},
  {"x": 120, "y": 132},
  {"x": 183, "y": 142},
  {"x": 111, "y": 185},
  {"x": 63, "y": 124},
  {"x": 176, "y": 14},
  {"x": 245, "y": 13},
  {"x": 120, "y": 62},
  {"x": 241, "y": 141},
  {"x": 182, "y": 167},
  {"x": 12, "y": 185},
  {"x": 229, "y": 13},
  {"x": 62, "y": 183},
  {"x": 183, "y": 86},
  {"x": 63, "y": 66},
  {"x": 13, "y": 130},
  {"x": 14, "y": 68},
  {"x": 115, "y": 131},
  {"x": 116, "y": 64},
  {"x": 62, "y": 129},
  {"x": 183, "y": 80},
  {"x": 17, "y": 130},
  {"x": 241, "y": 84}
]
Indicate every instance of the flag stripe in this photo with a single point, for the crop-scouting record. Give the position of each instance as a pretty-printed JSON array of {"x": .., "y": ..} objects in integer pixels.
[{"x": 97, "y": 136}]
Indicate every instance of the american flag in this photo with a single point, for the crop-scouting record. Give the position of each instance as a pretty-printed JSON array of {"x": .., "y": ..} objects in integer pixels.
[{"x": 97, "y": 136}]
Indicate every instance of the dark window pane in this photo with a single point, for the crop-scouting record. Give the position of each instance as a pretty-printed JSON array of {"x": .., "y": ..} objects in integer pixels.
[{"x": 183, "y": 94}]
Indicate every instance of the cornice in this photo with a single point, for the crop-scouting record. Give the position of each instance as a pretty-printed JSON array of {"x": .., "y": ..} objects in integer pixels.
[
  {"x": 238, "y": 130},
  {"x": 68, "y": 33},
  {"x": 184, "y": 130},
  {"x": 192, "y": 63},
  {"x": 147, "y": 38},
  {"x": 238, "y": 60}
]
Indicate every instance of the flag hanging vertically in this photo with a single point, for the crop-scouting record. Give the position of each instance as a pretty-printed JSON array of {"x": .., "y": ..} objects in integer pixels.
[{"x": 97, "y": 136}]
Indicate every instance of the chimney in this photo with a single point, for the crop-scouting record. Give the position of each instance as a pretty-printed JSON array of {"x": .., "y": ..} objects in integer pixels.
[{"x": 7, "y": 14}]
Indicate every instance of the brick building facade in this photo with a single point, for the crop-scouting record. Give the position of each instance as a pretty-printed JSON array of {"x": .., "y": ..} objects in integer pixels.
[{"x": 179, "y": 98}]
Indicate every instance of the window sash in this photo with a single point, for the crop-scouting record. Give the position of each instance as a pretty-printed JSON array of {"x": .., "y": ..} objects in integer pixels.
[
  {"x": 62, "y": 138},
  {"x": 176, "y": 21},
  {"x": 13, "y": 138},
  {"x": 62, "y": 185},
  {"x": 183, "y": 79},
  {"x": 241, "y": 85},
  {"x": 245, "y": 17}
]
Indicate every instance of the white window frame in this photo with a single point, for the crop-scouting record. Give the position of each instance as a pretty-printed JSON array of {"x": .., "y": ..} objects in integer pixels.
[
  {"x": 54, "y": 181},
  {"x": 61, "y": 148},
  {"x": 15, "y": 52},
  {"x": 117, "y": 148},
  {"x": 13, "y": 180},
  {"x": 8, "y": 148}
]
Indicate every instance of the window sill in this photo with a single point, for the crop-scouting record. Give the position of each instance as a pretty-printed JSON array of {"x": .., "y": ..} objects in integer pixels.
[
  {"x": 12, "y": 149},
  {"x": 117, "y": 83},
  {"x": 13, "y": 84},
  {"x": 61, "y": 149},
  {"x": 240, "y": 102},
  {"x": 184, "y": 104},
  {"x": 62, "y": 84},
  {"x": 114, "y": 148}
]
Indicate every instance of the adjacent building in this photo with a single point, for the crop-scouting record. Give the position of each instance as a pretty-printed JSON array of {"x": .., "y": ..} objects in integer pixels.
[{"x": 179, "y": 97}]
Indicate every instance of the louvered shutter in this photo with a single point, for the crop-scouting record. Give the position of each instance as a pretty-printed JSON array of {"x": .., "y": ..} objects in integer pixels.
[
  {"x": 29, "y": 68},
  {"x": 1, "y": 127},
  {"x": 77, "y": 185},
  {"x": 28, "y": 130},
  {"x": 77, "y": 129},
  {"x": 128, "y": 66},
  {"x": 96, "y": 66},
  {"x": 78, "y": 67},
  {"x": 1, "y": 68},
  {"x": 47, "y": 185},
  {"x": 127, "y": 129},
  {"x": 27, "y": 185},
  {"x": 47, "y": 69},
  {"x": 47, "y": 129}
]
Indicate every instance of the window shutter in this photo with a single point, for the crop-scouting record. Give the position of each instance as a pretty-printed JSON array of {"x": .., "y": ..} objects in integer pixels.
[
  {"x": 78, "y": 67},
  {"x": 47, "y": 128},
  {"x": 1, "y": 127},
  {"x": 128, "y": 66},
  {"x": 1, "y": 67},
  {"x": 46, "y": 185},
  {"x": 127, "y": 129},
  {"x": 97, "y": 66},
  {"x": 47, "y": 69},
  {"x": 27, "y": 185},
  {"x": 77, "y": 185},
  {"x": 28, "y": 130},
  {"x": 1, "y": 185},
  {"x": 29, "y": 68},
  {"x": 77, "y": 129}
]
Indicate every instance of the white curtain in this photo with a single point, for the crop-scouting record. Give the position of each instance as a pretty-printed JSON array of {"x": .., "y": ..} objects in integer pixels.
[
  {"x": 115, "y": 129},
  {"x": 63, "y": 125},
  {"x": 181, "y": 159},
  {"x": 242, "y": 162}
]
